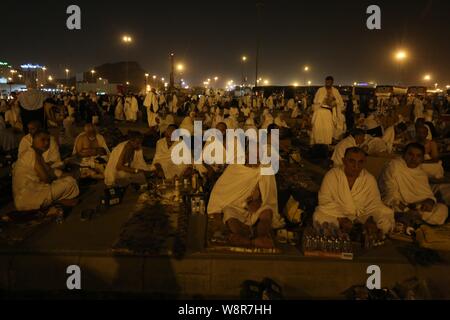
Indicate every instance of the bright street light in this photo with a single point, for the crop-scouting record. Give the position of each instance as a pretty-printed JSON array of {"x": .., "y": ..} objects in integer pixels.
[
  {"x": 244, "y": 58},
  {"x": 427, "y": 77},
  {"x": 401, "y": 55},
  {"x": 127, "y": 39},
  {"x": 180, "y": 67}
]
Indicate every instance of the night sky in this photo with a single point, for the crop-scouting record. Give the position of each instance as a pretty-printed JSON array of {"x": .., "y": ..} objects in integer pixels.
[{"x": 210, "y": 36}]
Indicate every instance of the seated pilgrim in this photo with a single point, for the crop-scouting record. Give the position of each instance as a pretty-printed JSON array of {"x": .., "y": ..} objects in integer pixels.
[
  {"x": 248, "y": 201},
  {"x": 350, "y": 194},
  {"x": 356, "y": 139},
  {"x": 35, "y": 184},
  {"x": 52, "y": 156},
  {"x": 280, "y": 121},
  {"x": 432, "y": 164},
  {"x": 212, "y": 162},
  {"x": 92, "y": 149},
  {"x": 188, "y": 122},
  {"x": 162, "y": 162},
  {"x": 126, "y": 163},
  {"x": 394, "y": 135},
  {"x": 404, "y": 186}
]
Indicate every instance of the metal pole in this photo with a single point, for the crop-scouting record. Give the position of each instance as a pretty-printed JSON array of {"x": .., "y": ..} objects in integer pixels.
[
  {"x": 172, "y": 71},
  {"x": 259, "y": 5}
]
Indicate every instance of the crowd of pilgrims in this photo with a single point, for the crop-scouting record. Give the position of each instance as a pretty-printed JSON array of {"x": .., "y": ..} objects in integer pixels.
[{"x": 35, "y": 128}]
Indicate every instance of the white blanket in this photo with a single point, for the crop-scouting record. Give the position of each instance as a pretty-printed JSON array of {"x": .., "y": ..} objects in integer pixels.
[{"x": 235, "y": 186}]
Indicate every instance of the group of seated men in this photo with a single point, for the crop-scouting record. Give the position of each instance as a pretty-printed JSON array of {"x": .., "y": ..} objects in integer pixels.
[{"x": 247, "y": 199}]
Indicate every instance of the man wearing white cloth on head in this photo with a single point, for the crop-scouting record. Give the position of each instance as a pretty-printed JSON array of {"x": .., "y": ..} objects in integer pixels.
[
  {"x": 247, "y": 200},
  {"x": 350, "y": 194},
  {"x": 404, "y": 186},
  {"x": 328, "y": 120}
]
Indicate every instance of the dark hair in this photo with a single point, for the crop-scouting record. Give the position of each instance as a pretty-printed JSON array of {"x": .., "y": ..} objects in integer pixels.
[
  {"x": 135, "y": 135},
  {"x": 414, "y": 145},
  {"x": 39, "y": 132},
  {"x": 358, "y": 132},
  {"x": 354, "y": 150},
  {"x": 222, "y": 123},
  {"x": 420, "y": 121},
  {"x": 173, "y": 126},
  {"x": 36, "y": 122},
  {"x": 329, "y": 78},
  {"x": 271, "y": 127},
  {"x": 402, "y": 126}
]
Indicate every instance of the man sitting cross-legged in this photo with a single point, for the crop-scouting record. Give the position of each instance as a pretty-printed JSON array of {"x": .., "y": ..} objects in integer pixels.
[
  {"x": 92, "y": 149},
  {"x": 405, "y": 187},
  {"x": 35, "y": 184},
  {"x": 126, "y": 164},
  {"x": 350, "y": 194},
  {"x": 248, "y": 201}
]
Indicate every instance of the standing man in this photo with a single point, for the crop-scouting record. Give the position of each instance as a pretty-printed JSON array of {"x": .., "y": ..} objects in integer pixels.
[
  {"x": 31, "y": 105},
  {"x": 328, "y": 120}
]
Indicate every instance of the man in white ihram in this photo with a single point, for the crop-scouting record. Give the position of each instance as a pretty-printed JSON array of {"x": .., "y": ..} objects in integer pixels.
[
  {"x": 350, "y": 193},
  {"x": 405, "y": 187},
  {"x": 328, "y": 120}
]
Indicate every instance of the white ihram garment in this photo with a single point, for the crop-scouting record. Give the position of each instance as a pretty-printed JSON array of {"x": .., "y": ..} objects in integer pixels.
[
  {"x": 336, "y": 200},
  {"x": 235, "y": 186},
  {"x": 32, "y": 194},
  {"x": 400, "y": 184}
]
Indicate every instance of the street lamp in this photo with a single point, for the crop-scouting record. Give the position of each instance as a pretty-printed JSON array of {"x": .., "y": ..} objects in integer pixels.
[
  {"x": 309, "y": 83},
  {"x": 146, "y": 79},
  {"x": 67, "y": 76},
  {"x": 243, "y": 60},
  {"x": 127, "y": 40},
  {"x": 266, "y": 82},
  {"x": 44, "y": 69},
  {"x": 400, "y": 56},
  {"x": 305, "y": 70},
  {"x": 92, "y": 74},
  {"x": 427, "y": 77}
]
